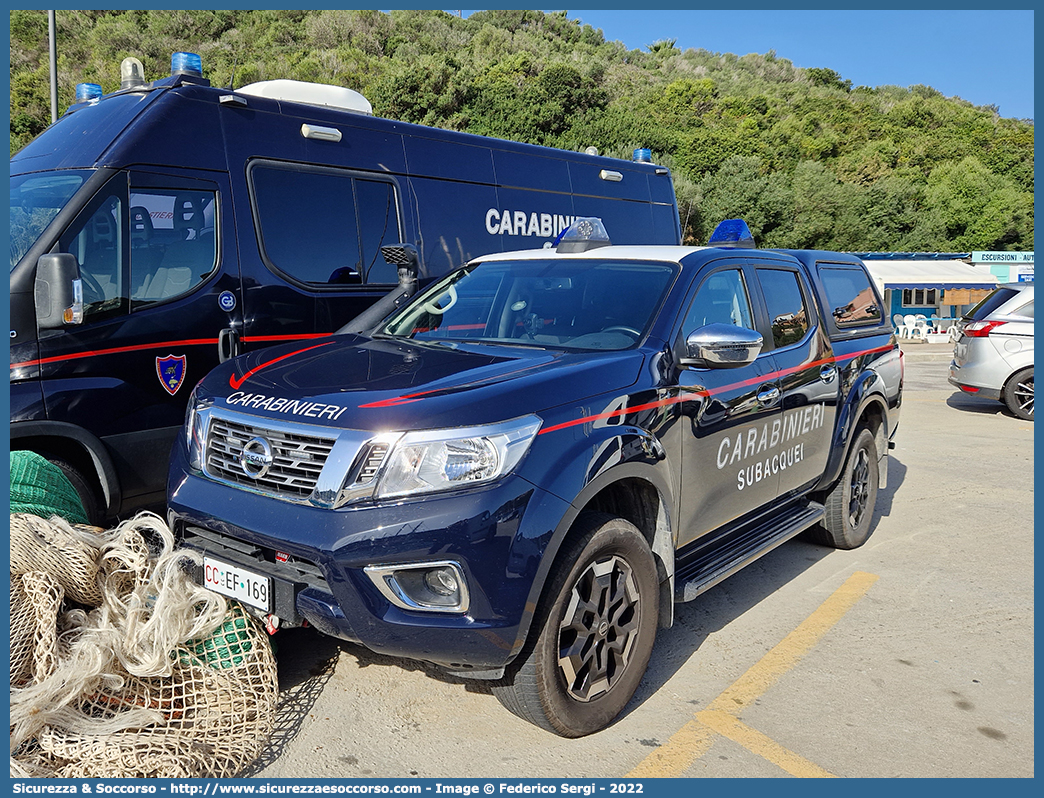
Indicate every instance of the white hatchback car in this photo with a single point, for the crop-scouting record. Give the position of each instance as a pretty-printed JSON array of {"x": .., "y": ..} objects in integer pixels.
[{"x": 993, "y": 356}]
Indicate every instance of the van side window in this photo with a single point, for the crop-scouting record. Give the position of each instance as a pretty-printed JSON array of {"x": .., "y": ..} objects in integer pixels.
[
  {"x": 721, "y": 299},
  {"x": 324, "y": 227},
  {"x": 851, "y": 298},
  {"x": 97, "y": 241},
  {"x": 173, "y": 246},
  {"x": 139, "y": 249},
  {"x": 787, "y": 311},
  {"x": 379, "y": 226}
]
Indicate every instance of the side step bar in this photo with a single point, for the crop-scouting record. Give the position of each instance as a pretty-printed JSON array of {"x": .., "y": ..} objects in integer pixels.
[{"x": 709, "y": 562}]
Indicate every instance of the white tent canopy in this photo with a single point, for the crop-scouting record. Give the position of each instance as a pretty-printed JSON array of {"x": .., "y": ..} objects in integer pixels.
[{"x": 928, "y": 274}]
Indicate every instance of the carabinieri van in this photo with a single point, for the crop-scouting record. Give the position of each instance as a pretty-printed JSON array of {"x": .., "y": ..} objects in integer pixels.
[{"x": 167, "y": 226}]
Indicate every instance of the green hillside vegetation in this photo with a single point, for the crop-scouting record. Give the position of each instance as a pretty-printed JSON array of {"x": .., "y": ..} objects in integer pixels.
[{"x": 805, "y": 157}]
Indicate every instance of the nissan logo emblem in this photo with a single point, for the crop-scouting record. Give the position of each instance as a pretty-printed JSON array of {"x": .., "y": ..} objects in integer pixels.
[{"x": 256, "y": 458}]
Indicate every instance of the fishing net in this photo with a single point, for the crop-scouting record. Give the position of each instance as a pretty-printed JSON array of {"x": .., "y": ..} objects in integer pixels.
[
  {"x": 121, "y": 666},
  {"x": 40, "y": 487}
]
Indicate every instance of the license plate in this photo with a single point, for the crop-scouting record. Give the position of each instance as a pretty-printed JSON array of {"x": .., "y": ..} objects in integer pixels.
[{"x": 237, "y": 583}]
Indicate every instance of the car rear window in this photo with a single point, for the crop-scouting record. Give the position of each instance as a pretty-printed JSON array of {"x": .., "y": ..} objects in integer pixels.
[{"x": 991, "y": 303}]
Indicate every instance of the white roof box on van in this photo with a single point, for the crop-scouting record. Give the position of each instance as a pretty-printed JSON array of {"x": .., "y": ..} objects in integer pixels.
[{"x": 299, "y": 91}]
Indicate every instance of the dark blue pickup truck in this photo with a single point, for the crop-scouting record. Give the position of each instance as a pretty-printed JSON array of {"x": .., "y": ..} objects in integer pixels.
[{"x": 515, "y": 475}]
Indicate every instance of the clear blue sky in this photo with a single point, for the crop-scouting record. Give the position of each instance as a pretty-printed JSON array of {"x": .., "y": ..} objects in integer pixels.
[{"x": 984, "y": 57}]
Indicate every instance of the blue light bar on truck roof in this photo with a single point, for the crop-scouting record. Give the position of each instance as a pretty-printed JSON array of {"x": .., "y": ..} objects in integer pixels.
[{"x": 732, "y": 233}]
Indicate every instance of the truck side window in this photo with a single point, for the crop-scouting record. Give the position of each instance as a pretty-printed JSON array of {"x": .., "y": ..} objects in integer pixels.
[
  {"x": 786, "y": 305},
  {"x": 850, "y": 295},
  {"x": 721, "y": 299},
  {"x": 324, "y": 227},
  {"x": 173, "y": 246}
]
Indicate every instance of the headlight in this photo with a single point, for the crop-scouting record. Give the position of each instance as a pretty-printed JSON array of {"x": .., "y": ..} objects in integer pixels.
[
  {"x": 194, "y": 424},
  {"x": 436, "y": 460}
]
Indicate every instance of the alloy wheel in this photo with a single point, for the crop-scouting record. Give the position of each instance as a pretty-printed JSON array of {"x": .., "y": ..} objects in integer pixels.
[
  {"x": 860, "y": 494},
  {"x": 599, "y": 627},
  {"x": 1024, "y": 395}
]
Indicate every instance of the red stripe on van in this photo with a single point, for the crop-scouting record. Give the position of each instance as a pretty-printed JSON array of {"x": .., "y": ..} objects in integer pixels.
[{"x": 117, "y": 350}]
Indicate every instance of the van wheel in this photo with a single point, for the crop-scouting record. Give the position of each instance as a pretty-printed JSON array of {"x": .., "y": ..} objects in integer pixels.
[
  {"x": 593, "y": 633},
  {"x": 1018, "y": 394},
  {"x": 850, "y": 503},
  {"x": 84, "y": 489}
]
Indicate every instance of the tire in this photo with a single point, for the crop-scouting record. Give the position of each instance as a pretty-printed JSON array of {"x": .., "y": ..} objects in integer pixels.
[
  {"x": 1018, "y": 394},
  {"x": 84, "y": 488},
  {"x": 850, "y": 503},
  {"x": 609, "y": 643}
]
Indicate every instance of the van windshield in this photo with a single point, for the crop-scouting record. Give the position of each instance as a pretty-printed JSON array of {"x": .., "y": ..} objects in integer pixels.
[
  {"x": 35, "y": 200},
  {"x": 570, "y": 304}
]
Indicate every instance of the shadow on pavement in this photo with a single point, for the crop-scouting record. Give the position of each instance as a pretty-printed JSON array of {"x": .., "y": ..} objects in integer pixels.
[{"x": 306, "y": 662}]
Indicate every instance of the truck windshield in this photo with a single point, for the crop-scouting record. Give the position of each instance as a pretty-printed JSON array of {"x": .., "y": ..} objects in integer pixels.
[
  {"x": 562, "y": 303},
  {"x": 35, "y": 200}
]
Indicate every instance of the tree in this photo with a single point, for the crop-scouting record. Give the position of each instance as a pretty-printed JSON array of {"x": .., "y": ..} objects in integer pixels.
[{"x": 741, "y": 188}]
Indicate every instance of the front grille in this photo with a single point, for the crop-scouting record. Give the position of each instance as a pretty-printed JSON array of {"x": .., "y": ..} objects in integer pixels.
[{"x": 297, "y": 459}]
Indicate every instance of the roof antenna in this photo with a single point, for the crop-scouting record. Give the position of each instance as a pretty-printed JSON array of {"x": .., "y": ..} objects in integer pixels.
[{"x": 232, "y": 79}]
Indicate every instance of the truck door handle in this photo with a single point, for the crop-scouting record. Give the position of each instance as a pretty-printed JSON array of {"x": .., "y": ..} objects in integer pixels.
[
  {"x": 827, "y": 373},
  {"x": 768, "y": 394},
  {"x": 228, "y": 344}
]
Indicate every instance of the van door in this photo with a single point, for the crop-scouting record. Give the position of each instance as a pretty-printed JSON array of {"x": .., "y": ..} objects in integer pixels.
[{"x": 155, "y": 253}]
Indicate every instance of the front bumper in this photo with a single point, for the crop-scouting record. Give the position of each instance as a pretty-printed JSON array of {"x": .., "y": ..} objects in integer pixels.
[{"x": 497, "y": 535}]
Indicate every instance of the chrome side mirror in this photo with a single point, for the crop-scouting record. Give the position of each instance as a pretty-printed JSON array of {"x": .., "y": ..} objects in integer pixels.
[{"x": 721, "y": 346}]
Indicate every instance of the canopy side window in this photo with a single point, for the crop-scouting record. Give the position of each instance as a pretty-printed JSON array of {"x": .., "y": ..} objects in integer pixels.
[{"x": 850, "y": 296}]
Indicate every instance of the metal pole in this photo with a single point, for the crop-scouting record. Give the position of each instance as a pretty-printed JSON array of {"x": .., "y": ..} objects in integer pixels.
[{"x": 54, "y": 66}]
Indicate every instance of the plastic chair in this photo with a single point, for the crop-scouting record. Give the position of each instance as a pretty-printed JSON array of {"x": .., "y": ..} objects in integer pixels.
[
  {"x": 900, "y": 327},
  {"x": 915, "y": 327}
]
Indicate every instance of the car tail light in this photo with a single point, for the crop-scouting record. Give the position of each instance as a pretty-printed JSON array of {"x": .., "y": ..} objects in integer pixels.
[{"x": 981, "y": 329}]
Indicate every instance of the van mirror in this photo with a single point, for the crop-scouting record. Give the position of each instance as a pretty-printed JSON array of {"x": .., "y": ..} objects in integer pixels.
[
  {"x": 721, "y": 346},
  {"x": 58, "y": 291}
]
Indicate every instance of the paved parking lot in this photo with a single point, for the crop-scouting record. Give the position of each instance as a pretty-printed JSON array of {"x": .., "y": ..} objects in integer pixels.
[{"x": 911, "y": 656}]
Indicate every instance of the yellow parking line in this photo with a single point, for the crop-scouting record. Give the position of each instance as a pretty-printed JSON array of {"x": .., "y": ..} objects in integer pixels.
[
  {"x": 694, "y": 739},
  {"x": 751, "y": 739}
]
